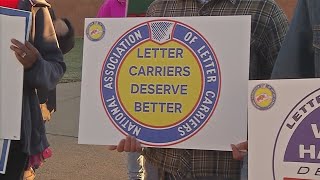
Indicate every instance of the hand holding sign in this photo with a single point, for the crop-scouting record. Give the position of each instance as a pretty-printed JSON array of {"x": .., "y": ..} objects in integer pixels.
[
  {"x": 130, "y": 144},
  {"x": 26, "y": 53},
  {"x": 239, "y": 150}
]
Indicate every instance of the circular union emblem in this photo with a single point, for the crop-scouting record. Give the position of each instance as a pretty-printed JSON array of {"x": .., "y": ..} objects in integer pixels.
[
  {"x": 160, "y": 82},
  {"x": 263, "y": 96},
  {"x": 95, "y": 31},
  {"x": 296, "y": 153}
]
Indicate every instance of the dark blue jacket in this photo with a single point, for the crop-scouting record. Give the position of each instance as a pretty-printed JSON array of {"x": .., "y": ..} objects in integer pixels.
[{"x": 43, "y": 76}]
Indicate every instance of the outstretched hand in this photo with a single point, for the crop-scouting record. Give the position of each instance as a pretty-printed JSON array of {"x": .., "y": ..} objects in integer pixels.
[{"x": 130, "y": 144}]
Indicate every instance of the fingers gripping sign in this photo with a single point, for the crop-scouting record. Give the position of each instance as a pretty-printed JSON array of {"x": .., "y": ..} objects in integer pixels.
[
  {"x": 239, "y": 150},
  {"x": 26, "y": 53},
  {"x": 130, "y": 144}
]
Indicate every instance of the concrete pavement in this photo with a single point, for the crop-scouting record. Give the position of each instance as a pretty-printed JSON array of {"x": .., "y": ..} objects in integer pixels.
[{"x": 71, "y": 161}]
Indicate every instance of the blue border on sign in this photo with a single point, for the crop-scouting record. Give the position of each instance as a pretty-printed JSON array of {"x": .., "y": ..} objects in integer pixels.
[{"x": 126, "y": 124}]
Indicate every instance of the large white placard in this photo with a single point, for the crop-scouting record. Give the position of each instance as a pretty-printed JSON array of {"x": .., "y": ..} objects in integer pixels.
[
  {"x": 11, "y": 77},
  {"x": 170, "y": 82},
  {"x": 284, "y": 129}
]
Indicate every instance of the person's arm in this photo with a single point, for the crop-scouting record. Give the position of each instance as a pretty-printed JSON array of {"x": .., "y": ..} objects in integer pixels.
[
  {"x": 270, "y": 45},
  {"x": 295, "y": 59},
  {"x": 239, "y": 150},
  {"x": 49, "y": 68},
  {"x": 272, "y": 39}
]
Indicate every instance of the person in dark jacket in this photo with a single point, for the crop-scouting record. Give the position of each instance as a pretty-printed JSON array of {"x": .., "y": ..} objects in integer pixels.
[
  {"x": 65, "y": 36},
  {"x": 44, "y": 67}
]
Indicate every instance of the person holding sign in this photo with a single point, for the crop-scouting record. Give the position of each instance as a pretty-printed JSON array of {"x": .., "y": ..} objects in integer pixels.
[
  {"x": 269, "y": 26},
  {"x": 240, "y": 152},
  {"x": 44, "y": 67},
  {"x": 65, "y": 36}
]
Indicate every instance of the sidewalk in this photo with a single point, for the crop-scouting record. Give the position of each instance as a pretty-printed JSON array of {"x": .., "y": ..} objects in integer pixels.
[{"x": 71, "y": 161}]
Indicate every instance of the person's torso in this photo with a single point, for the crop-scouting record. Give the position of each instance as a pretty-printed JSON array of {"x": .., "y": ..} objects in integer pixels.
[
  {"x": 194, "y": 163},
  {"x": 261, "y": 12},
  {"x": 200, "y": 162},
  {"x": 314, "y": 15}
]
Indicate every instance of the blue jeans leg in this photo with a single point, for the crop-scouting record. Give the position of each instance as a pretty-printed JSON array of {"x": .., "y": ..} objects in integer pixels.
[
  {"x": 135, "y": 171},
  {"x": 244, "y": 168},
  {"x": 150, "y": 171}
]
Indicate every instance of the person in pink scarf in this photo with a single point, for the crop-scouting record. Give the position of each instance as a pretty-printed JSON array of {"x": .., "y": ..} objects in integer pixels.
[{"x": 112, "y": 8}]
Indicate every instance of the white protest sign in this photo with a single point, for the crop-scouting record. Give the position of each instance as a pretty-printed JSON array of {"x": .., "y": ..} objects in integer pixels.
[
  {"x": 11, "y": 77},
  {"x": 284, "y": 129},
  {"x": 170, "y": 82}
]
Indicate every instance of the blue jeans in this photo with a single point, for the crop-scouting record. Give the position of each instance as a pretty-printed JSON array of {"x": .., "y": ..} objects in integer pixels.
[
  {"x": 140, "y": 169},
  {"x": 244, "y": 168},
  {"x": 299, "y": 56},
  {"x": 135, "y": 171}
]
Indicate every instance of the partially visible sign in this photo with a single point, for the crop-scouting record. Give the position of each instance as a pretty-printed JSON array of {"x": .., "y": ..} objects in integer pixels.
[
  {"x": 13, "y": 25},
  {"x": 285, "y": 133},
  {"x": 4, "y": 152}
]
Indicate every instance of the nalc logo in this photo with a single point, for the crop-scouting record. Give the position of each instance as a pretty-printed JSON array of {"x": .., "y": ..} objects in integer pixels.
[
  {"x": 297, "y": 148},
  {"x": 263, "y": 96},
  {"x": 160, "y": 82},
  {"x": 95, "y": 31}
]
